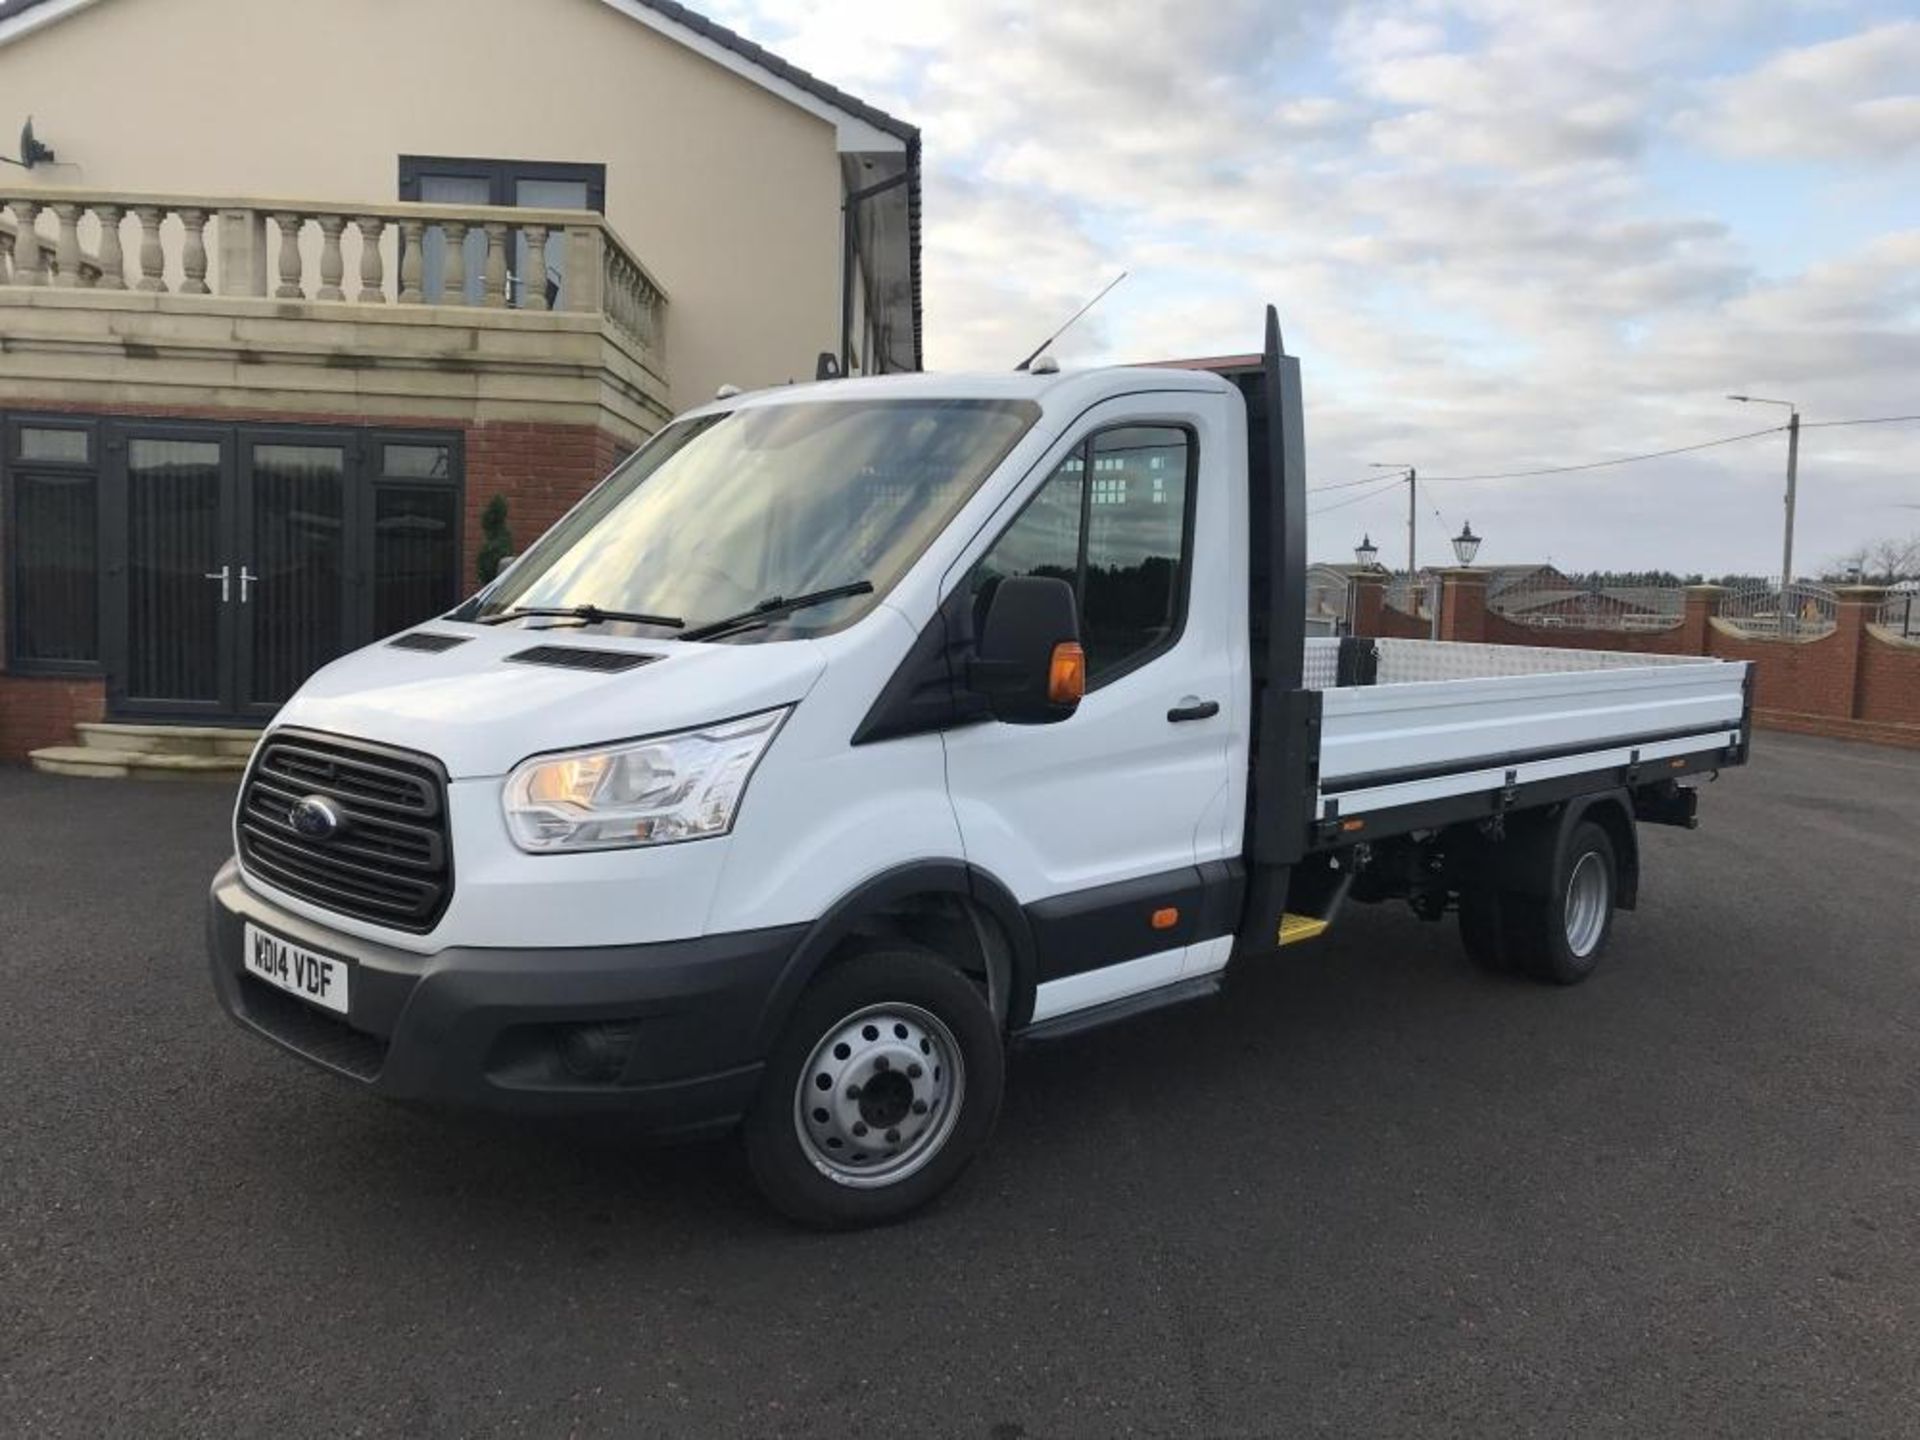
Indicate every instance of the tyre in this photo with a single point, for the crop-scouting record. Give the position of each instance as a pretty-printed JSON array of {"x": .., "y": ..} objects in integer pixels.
[
  {"x": 1559, "y": 937},
  {"x": 884, "y": 1087},
  {"x": 1482, "y": 929}
]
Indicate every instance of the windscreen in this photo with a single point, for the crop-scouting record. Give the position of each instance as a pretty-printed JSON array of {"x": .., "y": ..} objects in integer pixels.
[{"x": 722, "y": 513}]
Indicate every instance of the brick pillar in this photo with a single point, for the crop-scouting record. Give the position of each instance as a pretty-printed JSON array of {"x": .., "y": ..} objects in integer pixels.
[
  {"x": 1859, "y": 606},
  {"x": 1696, "y": 627},
  {"x": 1368, "y": 597},
  {"x": 1463, "y": 605}
]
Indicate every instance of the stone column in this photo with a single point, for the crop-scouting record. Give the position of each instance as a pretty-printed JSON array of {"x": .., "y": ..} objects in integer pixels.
[
  {"x": 493, "y": 276},
  {"x": 1696, "y": 618},
  {"x": 1366, "y": 598},
  {"x": 586, "y": 270},
  {"x": 193, "y": 253},
  {"x": 289, "y": 225},
  {"x": 332, "y": 268},
  {"x": 29, "y": 265},
  {"x": 66, "y": 255},
  {"x": 453, "y": 288},
  {"x": 242, "y": 245},
  {"x": 533, "y": 284},
  {"x": 1463, "y": 605},
  {"x": 373, "y": 279},
  {"x": 412, "y": 260},
  {"x": 113, "y": 263},
  {"x": 153, "y": 259}
]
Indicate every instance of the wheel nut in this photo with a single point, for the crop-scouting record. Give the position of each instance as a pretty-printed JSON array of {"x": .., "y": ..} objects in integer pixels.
[
  {"x": 883, "y": 1063},
  {"x": 893, "y": 1137},
  {"x": 914, "y": 1072},
  {"x": 853, "y": 1092},
  {"x": 919, "y": 1107},
  {"x": 859, "y": 1127}
]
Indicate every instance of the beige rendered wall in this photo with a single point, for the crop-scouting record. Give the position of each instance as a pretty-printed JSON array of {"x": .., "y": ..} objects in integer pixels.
[{"x": 729, "y": 194}]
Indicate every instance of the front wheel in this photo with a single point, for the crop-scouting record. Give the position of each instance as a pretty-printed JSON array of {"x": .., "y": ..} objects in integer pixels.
[{"x": 884, "y": 1087}]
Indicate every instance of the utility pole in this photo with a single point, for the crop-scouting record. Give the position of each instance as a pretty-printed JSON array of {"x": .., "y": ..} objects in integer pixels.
[
  {"x": 1793, "y": 477},
  {"x": 1413, "y": 520},
  {"x": 1413, "y": 513},
  {"x": 1793, "y": 481}
]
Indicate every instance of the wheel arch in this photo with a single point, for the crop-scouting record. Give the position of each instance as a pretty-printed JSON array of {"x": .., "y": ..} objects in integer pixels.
[
  {"x": 1612, "y": 811},
  {"x": 946, "y": 906},
  {"x": 1527, "y": 859}
]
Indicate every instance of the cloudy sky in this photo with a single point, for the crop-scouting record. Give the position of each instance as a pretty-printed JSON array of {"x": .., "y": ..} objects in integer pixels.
[{"x": 1502, "y": 235}]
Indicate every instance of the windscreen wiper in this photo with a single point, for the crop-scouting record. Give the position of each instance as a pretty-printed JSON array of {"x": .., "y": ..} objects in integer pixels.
[
  {"x": 592, "y": 614},
  {"x": 773, "y": 607}
]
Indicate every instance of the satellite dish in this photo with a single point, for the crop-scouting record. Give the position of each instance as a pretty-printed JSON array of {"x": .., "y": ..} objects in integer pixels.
[{"x": 32, "y": 152}]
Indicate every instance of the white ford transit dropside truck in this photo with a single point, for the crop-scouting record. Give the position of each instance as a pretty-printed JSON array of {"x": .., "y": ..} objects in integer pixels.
[{"x": 850, "y": 731}]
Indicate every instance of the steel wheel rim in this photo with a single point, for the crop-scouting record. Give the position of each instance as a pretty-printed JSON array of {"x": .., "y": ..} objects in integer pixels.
[
  {"x": 879, "y": 1095},
  {"x": 1588, "y": 901}
]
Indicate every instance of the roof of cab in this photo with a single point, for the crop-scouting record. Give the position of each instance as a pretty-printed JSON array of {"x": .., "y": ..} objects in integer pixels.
[{"x": 1069, "y": 386}]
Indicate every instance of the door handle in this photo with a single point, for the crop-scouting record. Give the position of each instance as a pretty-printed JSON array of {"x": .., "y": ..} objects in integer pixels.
[
  {"x": 225, "y": 576},
  {"x": 1192, "y": 709},
  {"x": 247, "y": 580}
]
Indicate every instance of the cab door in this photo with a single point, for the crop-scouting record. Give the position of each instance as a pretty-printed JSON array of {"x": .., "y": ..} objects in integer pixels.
[{"x": 1113, "y": 828}]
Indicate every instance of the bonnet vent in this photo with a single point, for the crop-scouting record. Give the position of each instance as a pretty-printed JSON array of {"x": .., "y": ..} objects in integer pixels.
[
  {"x": 428, "y": 641},
  {"x": 573, "y": 657}
]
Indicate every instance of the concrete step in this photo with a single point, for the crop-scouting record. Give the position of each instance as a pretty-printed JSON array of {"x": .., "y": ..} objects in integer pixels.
[
  {"x": 95, "y": 763},
  {"x": 218, "y": 740}
]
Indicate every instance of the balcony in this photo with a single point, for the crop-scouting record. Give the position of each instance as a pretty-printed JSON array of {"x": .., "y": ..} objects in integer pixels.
[{"x": 170, "y": 304}]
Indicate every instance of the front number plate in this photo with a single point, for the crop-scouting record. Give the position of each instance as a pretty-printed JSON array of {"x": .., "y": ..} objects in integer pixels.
[{"x": 316, "y": 978}]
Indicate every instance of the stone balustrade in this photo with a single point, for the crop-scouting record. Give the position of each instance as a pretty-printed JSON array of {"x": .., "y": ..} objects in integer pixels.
[{"x": 397, "y": 253}]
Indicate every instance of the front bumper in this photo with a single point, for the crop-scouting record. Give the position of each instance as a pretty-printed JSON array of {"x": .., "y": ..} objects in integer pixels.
[{"x": 669, "y": 1029}]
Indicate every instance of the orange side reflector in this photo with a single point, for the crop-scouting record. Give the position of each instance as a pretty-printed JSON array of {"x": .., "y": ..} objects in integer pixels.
[
  {"x": 1352, "y": 825},
  {"x": 1067, "y": 675},
  {"x": 1166, "y": 917}
]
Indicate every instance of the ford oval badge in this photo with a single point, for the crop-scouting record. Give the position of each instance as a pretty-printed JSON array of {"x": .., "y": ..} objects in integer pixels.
[{"x": 315, "y": 818}]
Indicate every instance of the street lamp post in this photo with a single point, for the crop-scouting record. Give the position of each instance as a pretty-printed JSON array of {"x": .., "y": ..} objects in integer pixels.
[
  {"x": 1793, "y": 473},
  {"x": 1413, "y": 483}
]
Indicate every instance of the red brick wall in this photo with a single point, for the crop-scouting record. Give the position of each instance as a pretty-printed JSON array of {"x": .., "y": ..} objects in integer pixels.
[
  {"x": 37, "y": 712},
  {"x": 1810, "y": 677},
  {"x": 1889, "y": 682},
  {"x": 541, "y": 469},
  {"x": 1398, "y": 625},
  {"x": 1502, "y": 631}
]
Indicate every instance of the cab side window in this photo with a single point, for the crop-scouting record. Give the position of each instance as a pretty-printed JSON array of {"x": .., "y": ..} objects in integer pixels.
[{"x": 1112, "y": 521}]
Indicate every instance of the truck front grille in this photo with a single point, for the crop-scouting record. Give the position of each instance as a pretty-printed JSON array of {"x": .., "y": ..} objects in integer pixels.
[{"x": 389, "y": 861}]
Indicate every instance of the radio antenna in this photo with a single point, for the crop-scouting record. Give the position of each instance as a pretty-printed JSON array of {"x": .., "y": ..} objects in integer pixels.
[{"x": 1040, "y": 349}]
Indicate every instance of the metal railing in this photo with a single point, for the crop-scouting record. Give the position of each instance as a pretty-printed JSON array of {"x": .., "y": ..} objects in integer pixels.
[
  {"x": 1557, "y": 603},
  {"x": 1766, "y": 611},
  {"x": 1900, "y": 613}
]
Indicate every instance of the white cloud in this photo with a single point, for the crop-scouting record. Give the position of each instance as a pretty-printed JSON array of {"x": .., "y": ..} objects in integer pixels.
[
  {"x": 1454, "y": 204},
  {"x": 1857, "y": 97}
]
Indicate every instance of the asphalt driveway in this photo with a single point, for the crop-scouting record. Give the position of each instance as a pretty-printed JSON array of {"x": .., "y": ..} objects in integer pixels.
[{"x": 1371, "y": 1193}]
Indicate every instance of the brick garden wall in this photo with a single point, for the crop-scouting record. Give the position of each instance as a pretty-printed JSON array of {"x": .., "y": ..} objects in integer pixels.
[
  {"x": 1851, "y": 683},
  {"x": 38, "y": 711}
]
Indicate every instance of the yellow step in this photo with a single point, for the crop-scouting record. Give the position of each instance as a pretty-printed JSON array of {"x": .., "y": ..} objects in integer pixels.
[{"x": 1295, "y": 928}]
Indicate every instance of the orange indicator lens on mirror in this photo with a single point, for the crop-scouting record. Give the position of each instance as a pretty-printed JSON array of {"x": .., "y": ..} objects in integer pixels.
[{"x": 1067, "y": 675}]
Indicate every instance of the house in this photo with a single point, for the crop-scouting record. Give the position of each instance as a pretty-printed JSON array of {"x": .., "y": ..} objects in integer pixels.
[{"x": 301, "y": 289}]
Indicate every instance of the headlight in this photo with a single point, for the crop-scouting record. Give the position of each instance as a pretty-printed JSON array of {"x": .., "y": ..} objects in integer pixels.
[{"x": 672, "y": 787}]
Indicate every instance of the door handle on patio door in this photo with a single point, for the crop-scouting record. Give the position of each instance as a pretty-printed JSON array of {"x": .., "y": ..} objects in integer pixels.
[
  {"x": 247, "y": 580},
  {"x": 225, "y": 576}
]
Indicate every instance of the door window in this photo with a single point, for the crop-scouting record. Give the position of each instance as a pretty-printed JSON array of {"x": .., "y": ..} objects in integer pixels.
[{"x": 1112, "y": 521}]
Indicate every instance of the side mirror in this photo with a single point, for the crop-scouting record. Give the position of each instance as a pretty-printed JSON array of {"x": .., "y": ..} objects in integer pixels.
[{"x": 1028, "y": 661}]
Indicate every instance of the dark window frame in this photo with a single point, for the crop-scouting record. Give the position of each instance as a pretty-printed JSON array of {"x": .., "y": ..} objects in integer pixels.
[
  {"x": 14, "y": 470},
  {"x": 1083, "y": 450},
  {"x": 500, "y": 175}
]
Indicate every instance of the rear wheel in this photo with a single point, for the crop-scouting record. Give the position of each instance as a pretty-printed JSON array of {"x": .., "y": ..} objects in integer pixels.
[
  {"x": 1559, "y": 937},
  {"x": 884, "y": 1087}
]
